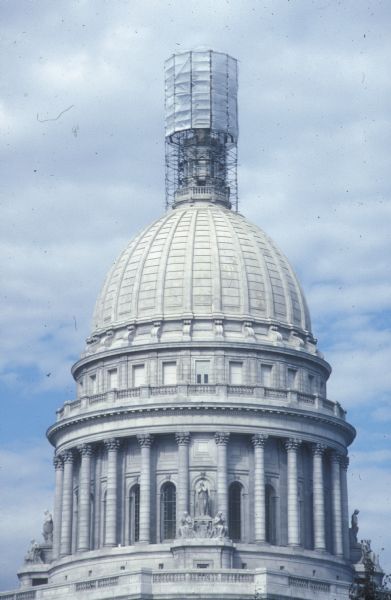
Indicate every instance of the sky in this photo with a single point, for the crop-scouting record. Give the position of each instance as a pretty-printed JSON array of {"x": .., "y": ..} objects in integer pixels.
[{"x": 82, "y": 171}]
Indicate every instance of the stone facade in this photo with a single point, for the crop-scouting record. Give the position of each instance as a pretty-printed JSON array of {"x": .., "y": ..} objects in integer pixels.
[{"x": 201, "y": 456}]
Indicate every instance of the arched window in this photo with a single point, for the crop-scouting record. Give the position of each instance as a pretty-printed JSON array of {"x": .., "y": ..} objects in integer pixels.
[
  {"x": 271, "y": 514},
  {"x": 235, "y": 511},
  {"x": 168, "y": 511},
  {"x": 134, "y": 514}
]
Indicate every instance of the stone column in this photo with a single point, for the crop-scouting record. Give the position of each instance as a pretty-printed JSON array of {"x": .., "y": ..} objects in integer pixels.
[
  {"x": 259, "y": 441},
  {"x": 145, "y": 441},
  {"x": 59, "y": 467},
  {"x": 84, "y": 498},
  {"x": 67, "y": 504},
  {"x": 221, "y": 439},
  {"x": 318, "y": 497},
  {"x": 112, "y": 446},
  {"x": 293, "y": 493},
  {"x": 183, "y": 440},
  {"x": 336, "y": 503},
  {"x": 345, "y": 507}
]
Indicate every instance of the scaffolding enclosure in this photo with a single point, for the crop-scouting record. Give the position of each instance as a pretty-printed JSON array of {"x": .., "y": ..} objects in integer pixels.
[{"x": 201, "y": 127}]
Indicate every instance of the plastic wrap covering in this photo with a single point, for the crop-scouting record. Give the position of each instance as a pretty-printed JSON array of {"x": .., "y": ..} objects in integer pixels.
[{"x": 201, "y": 92}]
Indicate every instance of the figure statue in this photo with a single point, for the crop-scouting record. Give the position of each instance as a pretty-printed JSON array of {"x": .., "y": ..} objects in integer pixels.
[
  {"x": 219, "y": 529},
  {"x": 202, "y": 500},
  {"x": 33, "y": 554},
  {"x": 186, "y": 528},
  {"x": 48, "y": 528},
  {"x": 354, "y": 526}
]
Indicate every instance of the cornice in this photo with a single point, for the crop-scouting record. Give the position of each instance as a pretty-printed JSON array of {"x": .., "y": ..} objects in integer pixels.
[{"x": 180, "y": 409}]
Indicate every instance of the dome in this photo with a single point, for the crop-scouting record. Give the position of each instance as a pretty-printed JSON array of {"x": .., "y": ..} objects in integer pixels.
[{"x": 201, "y": 261}]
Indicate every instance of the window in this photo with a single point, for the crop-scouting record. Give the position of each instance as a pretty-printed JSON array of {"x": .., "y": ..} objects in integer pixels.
[
  {"x": 134, "y": 514},
  {"x": 202, "y": 369},
  {"x": 138, "y": 373},
  {"x": 236, "y": 373},
  {"x": 235, "y": 511},
  {"x": 271, "y": 513},
  {"x": 92, "y": 384},
  {"x": 112, "y": 379},
  {"x": 291, "y": 378},
  {"x": 168, "y": 511},
  {"x": 311, "y": 381},
  {"x": 169, "y": 373},
  {"x": 266, "y": 375}
]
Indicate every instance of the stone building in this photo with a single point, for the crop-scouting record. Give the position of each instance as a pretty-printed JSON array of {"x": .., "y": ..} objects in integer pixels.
[{"x": 201, "y": 457}]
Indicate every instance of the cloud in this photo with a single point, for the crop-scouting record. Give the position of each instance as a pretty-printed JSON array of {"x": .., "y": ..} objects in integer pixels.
[{"x": 26, "y": 480}]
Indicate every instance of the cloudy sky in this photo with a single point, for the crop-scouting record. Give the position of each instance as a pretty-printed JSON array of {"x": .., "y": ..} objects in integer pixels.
[{"x": 82, "y": 155}]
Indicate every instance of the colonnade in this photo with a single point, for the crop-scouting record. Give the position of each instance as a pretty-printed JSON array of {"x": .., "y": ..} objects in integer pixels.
[{"x": 64, "y": 493}]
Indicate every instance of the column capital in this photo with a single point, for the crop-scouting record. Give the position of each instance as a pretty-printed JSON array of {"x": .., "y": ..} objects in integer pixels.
[
  {"x": 67, "y": 456},
  {"x": 85, "y": 449},
  {"x": 58, "y": 462},
  {"x": 182, "y": 438},
  {"x": 111, "y": 444},
  {"x": 336, "y": 457},
  {"x": 345, "y": 462},
  {"x": 292, "y": 444},
  {"x": 221, "y": 438},
  {"x": 319, "y": 449},
  {"x": 145, "y": 440},
  {"x": 259, "y": 439}
]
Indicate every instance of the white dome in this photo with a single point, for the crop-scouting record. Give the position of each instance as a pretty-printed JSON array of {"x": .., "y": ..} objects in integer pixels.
[{"x": 201, "y": 260}]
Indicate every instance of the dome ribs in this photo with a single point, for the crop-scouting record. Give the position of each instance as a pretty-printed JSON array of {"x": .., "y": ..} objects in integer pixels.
[
  {"x": 189, "y": 262},
  {"x": 143, "y": 270},
  {"x": 233, "y": 300},
  {"x": 202, "y": 264},
  {"x": 263, "y": 284},
  {"x": 160, "y": 291},
  {"x": 176, "y": 264},
  {"x": 243, "y": 289},
  {"x": 206, "y": 262},
  {"x": 216, "y": 272}
]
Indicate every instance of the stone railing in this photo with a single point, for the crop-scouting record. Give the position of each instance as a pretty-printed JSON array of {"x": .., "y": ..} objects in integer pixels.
[
  {"x": 93, "y": 584},
  {"x": 215, "y": 392},
  {"x": 200, "y": 576},
  {"x": 308, "y": 584},
  {"x": 30, "y": 595},
  {"x": 206, "y": 191},
  {"x": 241, "y": 390}
]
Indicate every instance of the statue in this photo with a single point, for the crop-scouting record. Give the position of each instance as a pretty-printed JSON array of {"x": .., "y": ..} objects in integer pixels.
[
  {"x": 219, "y": 529},
  {"x": 33, "y": 554},
  {"x": 186, "y": 528},
  {"x": 48, "y": 528},
  {"x": 354, "y": 526},
  {"x": 202, "y": 500}
]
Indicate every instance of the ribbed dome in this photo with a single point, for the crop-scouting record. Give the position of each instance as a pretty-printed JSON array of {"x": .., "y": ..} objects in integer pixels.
[{"x": 201, "y": 260}]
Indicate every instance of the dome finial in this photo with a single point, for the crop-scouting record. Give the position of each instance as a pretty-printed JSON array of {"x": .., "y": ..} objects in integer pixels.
[{"x": 201, "y": 128}]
